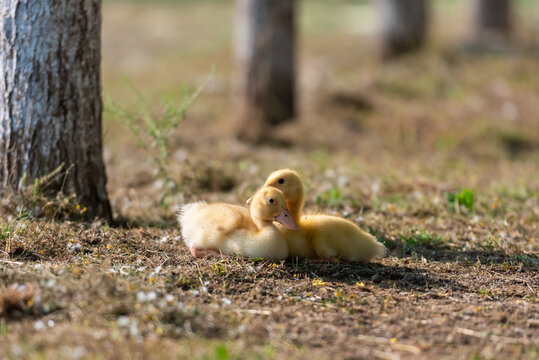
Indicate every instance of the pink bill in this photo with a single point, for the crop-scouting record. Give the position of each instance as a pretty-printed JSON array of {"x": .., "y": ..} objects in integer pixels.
[{"x": 285, "y": 218}]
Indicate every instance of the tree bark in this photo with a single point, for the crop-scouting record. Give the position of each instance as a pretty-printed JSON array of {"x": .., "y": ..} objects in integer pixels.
[
  {"x": 265, "y": 50},
  {"x": 50, "y": 107},
  {"x": 403, "y": 26},
  {"x": 493, "y": 19}
]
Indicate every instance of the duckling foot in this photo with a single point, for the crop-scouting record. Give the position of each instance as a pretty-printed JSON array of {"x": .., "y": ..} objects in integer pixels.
[{"x": 201, "y": 253}]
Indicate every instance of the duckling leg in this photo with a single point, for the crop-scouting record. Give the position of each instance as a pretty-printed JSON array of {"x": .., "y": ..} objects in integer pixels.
[{"x": 201, "y": 253}]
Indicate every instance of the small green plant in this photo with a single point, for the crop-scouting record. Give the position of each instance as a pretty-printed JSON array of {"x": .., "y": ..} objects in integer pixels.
[
  {"x": 332, "y": 198},
  {"x": 423, "y": 239},
  {"x": 153, "y": 129},
  {"x": 463, "y": 199},
  {"x": 219, "y": 269},
  {"x": 5, "y": 236},
  {"x": 488, "y": 244},
  {"x": 5, "y": 232},
  {"x": 527, "y": 260},
  {"x": 3, "y": 328},
  {"x": 42, "y": 198},
  {"x": 336, "y": 297},
  {"x": 388, "y": 243},
  {"x": 485, "y": 292},
  {"x": 221, "y": 352}
]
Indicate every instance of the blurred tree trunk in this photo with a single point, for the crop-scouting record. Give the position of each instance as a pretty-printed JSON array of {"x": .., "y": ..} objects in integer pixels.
[
  {"x": 493, "y": 19},
  {"x": 265, "y": 47},
  {"x": 403, "y": 25},
  {"x": 50, "y": 107}
]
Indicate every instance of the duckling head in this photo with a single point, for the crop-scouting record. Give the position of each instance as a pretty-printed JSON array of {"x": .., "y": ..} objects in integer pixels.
[
  {"x": 289, "y": 182},
  {"x": 269, "y": 204}
]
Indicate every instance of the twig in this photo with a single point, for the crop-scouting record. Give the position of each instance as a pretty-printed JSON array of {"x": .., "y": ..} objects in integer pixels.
[
  {"x": 384, "y": 341},
  {"x": 373, "y": 339},
  {"x": 386, "y": 355},
  {"x": 11, "y": 262},
  {"x": 406, "y": 347},
  {"x": 254, "y": 311},
  {"x": 494, "y": 337}
]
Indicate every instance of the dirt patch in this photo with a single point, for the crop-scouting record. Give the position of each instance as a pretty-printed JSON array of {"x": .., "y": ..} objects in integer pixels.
[{"x": 133, "y": 288}]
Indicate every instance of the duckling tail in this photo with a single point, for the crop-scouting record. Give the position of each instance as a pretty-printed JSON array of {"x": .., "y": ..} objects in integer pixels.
[
  {"x": 188, "y": 220},
  {"x": 367, "y": 247},
  {"x": 377, "y": 250}
]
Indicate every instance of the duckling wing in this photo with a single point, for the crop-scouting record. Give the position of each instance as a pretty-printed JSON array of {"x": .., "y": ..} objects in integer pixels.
[
  {"x": 266, "y": 243},
  {"x": 299, "y": 242},
  {"x": 227, "y": 218},
  {"x": 208, "y": 225},
  {"x": 335, "y": 236}
]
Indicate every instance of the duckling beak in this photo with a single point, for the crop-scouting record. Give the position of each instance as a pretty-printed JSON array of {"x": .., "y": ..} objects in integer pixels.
[
  {"x": 285, "y": 218},
  {"x": 249, "y": 201}
]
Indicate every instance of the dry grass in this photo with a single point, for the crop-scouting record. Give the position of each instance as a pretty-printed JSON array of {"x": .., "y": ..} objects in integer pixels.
[
  {"x": 389, "y": 147},
  {"x": 124, "y": 293}
]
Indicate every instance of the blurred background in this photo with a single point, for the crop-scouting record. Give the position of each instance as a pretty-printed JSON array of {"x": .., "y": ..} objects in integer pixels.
[{"x": 370, "y": 100}]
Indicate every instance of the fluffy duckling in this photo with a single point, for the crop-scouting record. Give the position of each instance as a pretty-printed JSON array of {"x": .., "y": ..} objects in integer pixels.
[
  {"x": 321, "y": 235},
  {"x": 215, "y": 229}
]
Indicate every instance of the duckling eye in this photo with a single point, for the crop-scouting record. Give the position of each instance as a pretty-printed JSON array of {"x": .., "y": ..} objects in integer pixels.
[
  {"x": 271, "y": 201},
  {"x": 280, "y": 181}
]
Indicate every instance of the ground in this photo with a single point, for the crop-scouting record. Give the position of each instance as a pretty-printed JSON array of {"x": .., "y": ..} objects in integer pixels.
[{"x": 436, "y": 154}]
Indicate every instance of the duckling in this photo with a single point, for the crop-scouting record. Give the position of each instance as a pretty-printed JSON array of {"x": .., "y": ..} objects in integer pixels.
[
  {"x": 215, "y": 229},
  {"x": 321, "y": 235}
]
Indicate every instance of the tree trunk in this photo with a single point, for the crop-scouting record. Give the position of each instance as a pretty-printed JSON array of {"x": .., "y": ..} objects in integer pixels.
[
  {"x": 266, "y": 56},
  {"x": 403, "y": 25},
  {"x": 493, "y": 19},
  {"x": 50, "y": 107}
]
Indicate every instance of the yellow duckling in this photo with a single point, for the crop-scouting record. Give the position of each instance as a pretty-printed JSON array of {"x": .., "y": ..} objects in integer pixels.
[
  {"x": 215, "y": 229},
  {"x": 321, "y": 235}
]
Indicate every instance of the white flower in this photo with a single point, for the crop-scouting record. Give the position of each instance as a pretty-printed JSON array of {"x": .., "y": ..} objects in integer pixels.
[
  {"x": 73, "y": 247},
  {"x": 156, "y": 271},
  {"x": 141, "y": 296},
  {"x": 151, "y": 296},
  {"x": 159, "y": 183},
  {"x": 39, "y": 325},
  {"x": 342, "y": 181},
  {"x": 123, "y": 321},
  {"x": 131, "y": 324},
  {"x": 146, "y": 297},
  {"x": 78, "y": 352},
  {"x": 226, "y": 301},
  {"x": 49, "y": 284},
  {"x": 375, "y": 187},
  {"x": 200, "y": 290}
]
